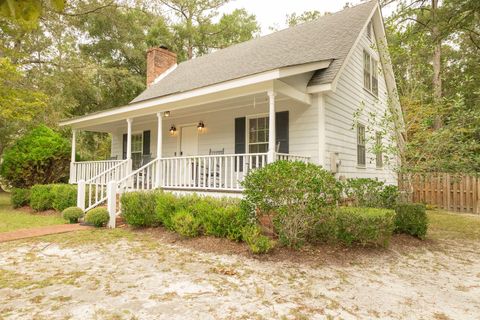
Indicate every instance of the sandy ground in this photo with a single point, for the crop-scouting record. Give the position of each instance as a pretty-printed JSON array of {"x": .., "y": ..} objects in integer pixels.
[{"x": 153, "y": 278}]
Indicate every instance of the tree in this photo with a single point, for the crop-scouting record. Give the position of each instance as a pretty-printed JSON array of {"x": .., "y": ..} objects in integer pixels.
[
  {"x": 194, "y": 31},
  {"x": 20, "y": 105},
  {"x": 28, "y": 10},
  {"x": 40, "y": 157},
  {"x": 438, "y": 85},
  {"x": 293, "y": 19}
]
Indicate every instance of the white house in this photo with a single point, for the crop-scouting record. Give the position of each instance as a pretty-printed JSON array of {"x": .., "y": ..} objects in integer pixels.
[{"x": 203, "y": 123}]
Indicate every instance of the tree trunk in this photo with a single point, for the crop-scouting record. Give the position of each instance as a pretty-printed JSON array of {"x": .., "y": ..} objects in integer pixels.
[{"x": 437, "y": 56}]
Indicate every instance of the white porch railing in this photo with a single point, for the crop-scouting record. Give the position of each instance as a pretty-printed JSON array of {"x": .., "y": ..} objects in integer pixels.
[
  {"x": 93, "y": 192},
  {"x": 291, "y": 157},
  {"x": 196, "y": 173},
  {"x": 86, "y": 170}
]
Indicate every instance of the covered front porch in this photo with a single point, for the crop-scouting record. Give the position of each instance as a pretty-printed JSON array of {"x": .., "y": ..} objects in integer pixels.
[{"x": 207, "y": 146}]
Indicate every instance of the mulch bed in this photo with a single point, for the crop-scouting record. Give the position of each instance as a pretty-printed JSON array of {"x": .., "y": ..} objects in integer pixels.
[{"x": 309, "y": 254}]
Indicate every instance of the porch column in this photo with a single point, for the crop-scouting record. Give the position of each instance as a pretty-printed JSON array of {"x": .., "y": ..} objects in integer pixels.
[
  {"x": 159, "y": 135},
  {"x": 158, "y": 175},
  {"x": 129, "y": 144},
  {"x": 271, "y": 126},
  {"x": 73, "y": 172}
]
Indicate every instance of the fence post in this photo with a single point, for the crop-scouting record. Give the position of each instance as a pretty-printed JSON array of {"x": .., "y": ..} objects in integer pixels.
[
  {"x": 112, "y": 202},
  {"x": 81, "y": 194}
]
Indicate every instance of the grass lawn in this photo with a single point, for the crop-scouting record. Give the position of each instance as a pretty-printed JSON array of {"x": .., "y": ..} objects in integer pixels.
[
  {"x": 453, "y": 226},
  {"x": 11, "y": 219}
]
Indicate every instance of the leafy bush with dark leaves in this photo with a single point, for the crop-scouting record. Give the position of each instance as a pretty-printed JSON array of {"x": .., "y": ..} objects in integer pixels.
[
  {"x": 294, "y": 192},
  {"x": 411, "y": 218},
  {"x": 40, "y": 157}
]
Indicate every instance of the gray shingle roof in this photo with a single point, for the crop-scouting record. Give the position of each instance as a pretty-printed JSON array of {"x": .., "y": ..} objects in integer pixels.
[{"x": 329, "y": 37}]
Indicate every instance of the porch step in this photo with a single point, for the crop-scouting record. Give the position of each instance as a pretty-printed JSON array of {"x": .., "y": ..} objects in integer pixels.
[{"x": 120, "y": 222}]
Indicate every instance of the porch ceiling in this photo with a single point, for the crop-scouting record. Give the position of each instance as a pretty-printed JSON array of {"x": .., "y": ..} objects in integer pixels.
[{"x": 237, "y": 102}]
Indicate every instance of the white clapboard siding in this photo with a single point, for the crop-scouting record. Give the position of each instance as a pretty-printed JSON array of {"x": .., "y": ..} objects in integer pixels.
[{"x": 340, "y": 107}]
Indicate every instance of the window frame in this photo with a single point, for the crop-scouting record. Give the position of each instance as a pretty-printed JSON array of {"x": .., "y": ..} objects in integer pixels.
[
  {"x": 370, "y": 74},
  {"x": 247, "y": 131},
  {"x": 361, "y": 145}
]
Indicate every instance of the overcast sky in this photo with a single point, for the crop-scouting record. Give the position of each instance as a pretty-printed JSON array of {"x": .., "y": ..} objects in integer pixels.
[{"x": 273, "y": 12}]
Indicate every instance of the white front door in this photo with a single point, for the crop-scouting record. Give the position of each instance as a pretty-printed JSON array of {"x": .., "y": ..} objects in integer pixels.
[{"x": 188, "y": 141}]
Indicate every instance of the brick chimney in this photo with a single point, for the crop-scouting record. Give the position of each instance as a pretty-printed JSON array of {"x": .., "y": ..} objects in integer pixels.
[{"x": 159, "y": 60}]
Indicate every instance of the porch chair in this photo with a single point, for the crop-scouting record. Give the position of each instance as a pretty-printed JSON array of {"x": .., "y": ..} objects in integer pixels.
[
  {"x": 214, "y": 175},
  {"x": 146, "y": 158}
]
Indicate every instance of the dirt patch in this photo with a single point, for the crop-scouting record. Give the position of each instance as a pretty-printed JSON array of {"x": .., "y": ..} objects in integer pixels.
[{"x": 158, "y": 275}]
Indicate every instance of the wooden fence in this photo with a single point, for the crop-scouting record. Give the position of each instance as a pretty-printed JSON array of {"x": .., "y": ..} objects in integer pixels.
[{"x": 446, "y": 191}]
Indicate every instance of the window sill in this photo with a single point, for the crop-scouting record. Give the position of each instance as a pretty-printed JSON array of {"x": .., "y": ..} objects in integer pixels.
[
  {"x": 379, "y": 168},
  {"x": 371, "y": 93},
  {"x": 359, "y": 166}
]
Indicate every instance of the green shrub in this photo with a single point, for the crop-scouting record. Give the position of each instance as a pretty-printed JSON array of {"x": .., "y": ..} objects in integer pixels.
[
  {"x": 364, "y": 225},
  {"x": 257, "y": 243},
  {"x": 64, "y": 196},
  {"x": 225, "y": 219},
  {"x": 72, "y": 214},
  {"x": 365, "y": 192},
  {"x": 411, "y": 218},
  {"x": 42, "y": 156},
  {"x": 185, "y": 223},
  {"x": 20, "y": 197},
  {"x": 138, "y": 208},
  {"x": 295, "y": 192},
  {"x": 41, "y": 197},
  {"x": 99, "y": 217},
  {"x": 389, "y": 196},
  {"x": 166, "y": 204}
]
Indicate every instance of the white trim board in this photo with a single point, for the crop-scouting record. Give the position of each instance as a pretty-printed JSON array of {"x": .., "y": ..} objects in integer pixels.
[{"x": 229, "y": 89}]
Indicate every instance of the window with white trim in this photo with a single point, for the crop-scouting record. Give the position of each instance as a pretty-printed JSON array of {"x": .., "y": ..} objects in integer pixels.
[
  {"x": 137, "y": 149},
  {"x": 258, "y": 135},
  {"x": 370, "y": 73},
  {"x": 361, "y": 151}
]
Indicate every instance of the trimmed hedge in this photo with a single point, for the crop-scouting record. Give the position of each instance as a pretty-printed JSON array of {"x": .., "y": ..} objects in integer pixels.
[
  {"x": 98, "y": 217},
  {"x": 72, "y": 214},
  {"x": 185, "y": 223},
  {"x": 365, "y": 192},
  {"x": 411, "y": 218},
  {"x": 138, "y": 209},
  {"x": 224, "y": 217},
  {"x": 64, "y": 196},
  {"x": 365, "y": 225},
  {"x": 53, "y": 196},
  {"x": 41, "y": 197},
  {"x": 20, "y": 197},
  {"x": 348, "y": 225}
]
